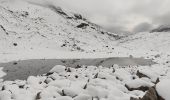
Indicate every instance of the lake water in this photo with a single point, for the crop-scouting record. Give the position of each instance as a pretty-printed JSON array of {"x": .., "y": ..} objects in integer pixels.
[{"x": 24, "y": 68}]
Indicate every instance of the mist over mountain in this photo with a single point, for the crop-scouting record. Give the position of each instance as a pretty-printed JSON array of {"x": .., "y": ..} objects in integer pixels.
[
  {"x": 162, "y": 28},
  {"x": 117, "y": 16}
]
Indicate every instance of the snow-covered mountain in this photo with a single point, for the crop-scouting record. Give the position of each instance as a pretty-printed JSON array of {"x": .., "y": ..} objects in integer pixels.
[
  {"x": 28, "y": 26},
  {"x": 154, "y": 45}
]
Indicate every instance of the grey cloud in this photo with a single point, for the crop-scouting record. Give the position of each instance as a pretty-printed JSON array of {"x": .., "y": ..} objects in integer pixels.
[
  {"x": 163, "y": 19},
  {"x": 119, "y": 15},
  {"x": 115, "y": 29},
  {"x": 143, "y": 27}
]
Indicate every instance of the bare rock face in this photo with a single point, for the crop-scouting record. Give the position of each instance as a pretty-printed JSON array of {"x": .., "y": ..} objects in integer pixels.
[
  {"x": 132, "y": 98},
  {"x": 82, "y": 25},
  {"x": 78, "y": 16},
  {"x": 140, "y": 75},
  {"x": 142, "y": 88},
  {"x": 138, "y": 84},
  {"x": 151, "y": 94}
]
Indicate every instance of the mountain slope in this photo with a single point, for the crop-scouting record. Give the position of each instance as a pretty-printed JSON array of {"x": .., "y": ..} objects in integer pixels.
[
  {"x": 149, "y": 45},
  {"x": 162, "y": 28},
  {"x": 30, "y": 26}
]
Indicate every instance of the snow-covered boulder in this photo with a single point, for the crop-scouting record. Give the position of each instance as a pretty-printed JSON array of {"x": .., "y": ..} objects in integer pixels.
[
  {"x": 70, "y": 92},
  {"x": 138, "y": 84},
  {"x": 147, "y": 73},
  {"x": 49, "y": 92},
  {"x": 163, "y": 89},
  {"x": 123, "y": 75},
  {"x": 82, "y": 97},
  {"x": 32, "y": 80},
  {"x": 96, "y": 91},
  {"x": 63, "y": 98},
  {"x": 158, "y": 92},
  {"x": 58, "y": 69},
  {"x": 60, "y": 83},
  {"x": 54, "y": 76},
  {"x": 5, "y": 95}
]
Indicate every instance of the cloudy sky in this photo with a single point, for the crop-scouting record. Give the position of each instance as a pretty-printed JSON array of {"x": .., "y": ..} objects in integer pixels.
[{"x": 121, "y": 15}]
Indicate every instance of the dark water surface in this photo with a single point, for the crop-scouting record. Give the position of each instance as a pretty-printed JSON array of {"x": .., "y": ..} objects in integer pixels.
[{"x": 24, "y": 68}]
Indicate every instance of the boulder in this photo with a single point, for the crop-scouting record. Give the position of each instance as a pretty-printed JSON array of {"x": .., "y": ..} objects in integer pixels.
[
  {"x": 82, "y": 25},
  {"x": 138, "y": 84}
]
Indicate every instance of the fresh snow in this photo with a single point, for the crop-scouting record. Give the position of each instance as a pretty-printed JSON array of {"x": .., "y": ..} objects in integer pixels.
[
  {"x": 163, "y": 89},
  {"x": 83, "y": 83},
  {"x": 58, "y": 68},
  {"x": 79, "y": 84},
  {"x": 32, "y": 31},
  {"x": 138, "y": 83}
]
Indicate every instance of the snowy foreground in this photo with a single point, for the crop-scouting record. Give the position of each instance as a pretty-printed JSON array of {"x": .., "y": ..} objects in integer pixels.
[{"x": 89, "y": 83}]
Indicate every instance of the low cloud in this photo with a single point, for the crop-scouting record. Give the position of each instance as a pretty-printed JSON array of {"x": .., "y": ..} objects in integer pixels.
[
  {"x": 162, "y": 19},
  {"x": 119, "y": 15},
  {"x": 143, "y": 27},
  {"x": 124, "y": 15}
]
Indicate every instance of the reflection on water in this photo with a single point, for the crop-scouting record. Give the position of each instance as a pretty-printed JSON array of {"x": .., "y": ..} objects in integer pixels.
[{"x": 24, "y": 68}]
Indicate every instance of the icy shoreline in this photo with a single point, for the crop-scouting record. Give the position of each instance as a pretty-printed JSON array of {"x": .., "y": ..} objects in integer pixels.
[
  {"x": 85, "y": 83},
  {"x": 23, "y": 68}
]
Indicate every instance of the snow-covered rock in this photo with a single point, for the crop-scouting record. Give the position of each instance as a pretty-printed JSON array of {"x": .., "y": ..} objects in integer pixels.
[
  {"x": 5, "y": 95},
  {"x": 32, "y": 80},
  {"x": 49, "y": 92},
  {"x": 138, "y": 84},
  {"x": 163, "y": 89},
  {"x": 95, "y": 91},
  {"x": 63, "y": 98},
  {"x": 84, "y": 84},
  {"x": 82, "y": 97},
  {"x": 58, "y": 69},
  {"x": 70, "y": 92},
  {"x": 60, "y": 83},
  {"x": 148, "y": 73}
]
